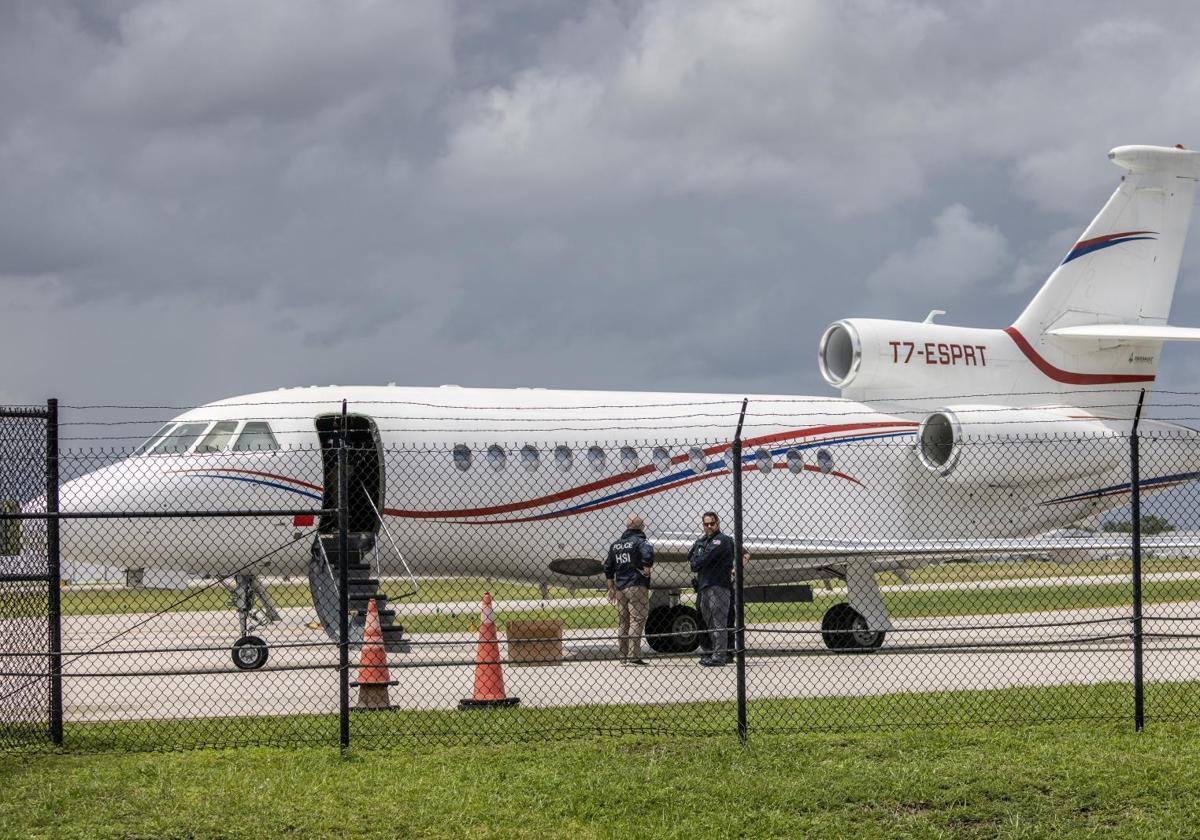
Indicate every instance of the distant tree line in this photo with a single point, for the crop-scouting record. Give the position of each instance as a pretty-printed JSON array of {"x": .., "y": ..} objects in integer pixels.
[{"x": 1151, "y": 524}]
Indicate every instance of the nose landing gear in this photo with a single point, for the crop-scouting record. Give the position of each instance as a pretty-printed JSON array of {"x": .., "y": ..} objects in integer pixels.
[{"x": 249, "y": 651}]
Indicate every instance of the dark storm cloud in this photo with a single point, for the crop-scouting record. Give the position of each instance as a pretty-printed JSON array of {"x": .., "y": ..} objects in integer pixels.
[{"x": 202, "y": 199}]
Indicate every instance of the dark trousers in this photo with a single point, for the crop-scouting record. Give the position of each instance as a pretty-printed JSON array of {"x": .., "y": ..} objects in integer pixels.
[{"x": 715, "y": 603}]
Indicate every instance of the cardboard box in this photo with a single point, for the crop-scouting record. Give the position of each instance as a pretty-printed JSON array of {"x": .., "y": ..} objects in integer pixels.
[{"x": 534, "y": 641}]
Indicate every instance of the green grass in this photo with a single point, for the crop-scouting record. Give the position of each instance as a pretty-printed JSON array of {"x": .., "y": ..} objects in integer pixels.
[
  {"x": 1027, "y": 705},
  {"x": 1069, "y": 779}
]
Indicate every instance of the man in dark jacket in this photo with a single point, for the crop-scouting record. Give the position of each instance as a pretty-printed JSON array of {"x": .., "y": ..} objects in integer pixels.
[
  {"x": 627, "y": 569},
  {"x": 711, "y": 558}
]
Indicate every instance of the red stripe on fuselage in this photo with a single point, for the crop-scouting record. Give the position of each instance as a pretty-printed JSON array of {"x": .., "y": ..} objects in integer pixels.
[
  {"x": 541, "y": 517},
  {"x": 646, "y": 470},
  {"x": 1070, "y": 377},
  {"x": 257, "y": 473}
]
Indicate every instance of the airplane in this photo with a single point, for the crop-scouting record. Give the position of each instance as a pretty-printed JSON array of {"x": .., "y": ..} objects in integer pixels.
[{"x": 451, "y": 481}]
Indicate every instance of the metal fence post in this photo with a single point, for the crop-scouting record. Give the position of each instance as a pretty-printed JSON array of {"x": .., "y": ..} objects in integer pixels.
[
  {"x": 1139, "y": 711},
  {"x": 54, "y": 574},
  {"x": 343, "y": 590},
  {"x": 739, "y": 602}
]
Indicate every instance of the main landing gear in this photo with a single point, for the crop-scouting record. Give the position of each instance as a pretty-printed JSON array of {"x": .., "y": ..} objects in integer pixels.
[
  {"x": 249, "y": 651},
  {"x": 845, "y": 628},
  {"x": 673, "y": 629}
]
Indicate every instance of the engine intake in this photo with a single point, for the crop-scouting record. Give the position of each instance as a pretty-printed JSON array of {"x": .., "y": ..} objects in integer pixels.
[
  {"x": 1002, "y": 445},
  {"x": 840, "y": 353}
]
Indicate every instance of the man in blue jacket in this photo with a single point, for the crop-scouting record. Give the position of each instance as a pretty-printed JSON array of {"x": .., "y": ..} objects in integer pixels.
[
  {"x": 711, "y": 558},
  {"x": 627, "y": 569}
]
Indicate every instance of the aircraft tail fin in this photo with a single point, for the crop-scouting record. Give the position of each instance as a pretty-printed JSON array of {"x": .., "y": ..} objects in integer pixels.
[
  {"x": 1123, "y": 269},
  {"x": 1104, "y": 310}
]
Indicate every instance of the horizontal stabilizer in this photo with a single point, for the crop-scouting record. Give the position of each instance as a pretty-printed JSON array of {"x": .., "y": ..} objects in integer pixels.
[{"x": 1128, "y": 332}]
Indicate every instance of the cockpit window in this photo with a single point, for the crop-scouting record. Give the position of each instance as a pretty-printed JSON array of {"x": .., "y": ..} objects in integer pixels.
[
  {"x": 153, "y": 439},
  {"x": 255, "y": 437},
  {"x": 179, "y": 439},
  {"x": 218, "y": 437}
]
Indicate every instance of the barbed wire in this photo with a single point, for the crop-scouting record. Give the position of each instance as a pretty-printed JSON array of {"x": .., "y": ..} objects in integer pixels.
[
  {"x": 732, "y": 400},
  {"x": 751, "y": 415}
]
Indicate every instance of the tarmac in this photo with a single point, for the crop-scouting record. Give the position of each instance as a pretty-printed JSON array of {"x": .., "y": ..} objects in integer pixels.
[{"x": 177, "y": 665}]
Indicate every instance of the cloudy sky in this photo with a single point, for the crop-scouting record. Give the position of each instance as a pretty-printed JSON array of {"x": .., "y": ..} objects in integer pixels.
[{"x": 202, "y": 199}]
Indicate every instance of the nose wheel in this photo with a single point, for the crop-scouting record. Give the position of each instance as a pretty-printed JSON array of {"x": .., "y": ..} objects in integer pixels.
[
  {"x": 249, "y": 653},
  {"x": 254, "y": 608}
]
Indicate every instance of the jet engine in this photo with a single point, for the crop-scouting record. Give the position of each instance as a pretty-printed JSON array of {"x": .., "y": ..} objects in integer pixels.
[
  {"x": 1001, "y": 445},
  {"x": 870, "y": 359}
]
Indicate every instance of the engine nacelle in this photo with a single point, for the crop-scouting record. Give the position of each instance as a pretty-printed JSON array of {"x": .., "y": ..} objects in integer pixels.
[
  {"x": 872, "y": 359},
  {"x": 998, "y": 446}
]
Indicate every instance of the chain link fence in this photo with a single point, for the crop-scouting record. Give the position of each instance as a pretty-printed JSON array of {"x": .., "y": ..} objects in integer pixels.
[
  {"x": 30, "y": 709},
  {"x": 222, "y": 586}
]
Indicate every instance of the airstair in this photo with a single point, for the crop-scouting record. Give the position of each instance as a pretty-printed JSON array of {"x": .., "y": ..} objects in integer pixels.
[{"x": 363, "y": 586}]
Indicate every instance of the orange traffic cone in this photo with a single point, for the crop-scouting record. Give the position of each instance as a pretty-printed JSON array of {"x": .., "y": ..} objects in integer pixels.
[
  {"x": 489, "y": 679},
  {"x": 373, "y": 677}
]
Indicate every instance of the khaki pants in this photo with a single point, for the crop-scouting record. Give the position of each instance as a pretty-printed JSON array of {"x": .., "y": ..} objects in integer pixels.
[{"x": 633, "y": 604}]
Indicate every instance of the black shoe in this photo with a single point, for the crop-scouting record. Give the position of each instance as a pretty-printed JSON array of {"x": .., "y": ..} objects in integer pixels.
[
  {"x": 710, "y": 662},
  {"x": 637, "y": 662}
]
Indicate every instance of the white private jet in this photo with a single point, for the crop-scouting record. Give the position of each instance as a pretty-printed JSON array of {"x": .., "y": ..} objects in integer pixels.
[{"x": 460, "y": 481}]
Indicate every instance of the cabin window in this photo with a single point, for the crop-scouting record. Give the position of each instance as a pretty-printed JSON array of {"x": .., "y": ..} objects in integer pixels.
[
  {"x": 497, "y": 458},
  {"x": 629, "y": 458},
  {"x": 795, "y": 461},
  {"x": 596, "y": 458},
  {"x": 764, "y": 461},
  {"x": 825, "y": 461},
  {"x": 462, "y": 457},
  {"x": 530, "y": 457},
  {"x": 563, "y": 457},
  {"x": 179, "y": 439},
  {"x": 661, "y": 458},
  {"x": 697, "y": 460},
  {"x": 218, "y": 436},
  {"x": 256, "y": 436}
]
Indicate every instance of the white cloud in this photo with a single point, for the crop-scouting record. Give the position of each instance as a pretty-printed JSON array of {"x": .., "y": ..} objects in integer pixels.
[
  {"x": 960, "y": 255},
  {"x": 267, "y": 60},
  {"x": 500, "y": 193},
  {"x": 1041, "y": 258}
]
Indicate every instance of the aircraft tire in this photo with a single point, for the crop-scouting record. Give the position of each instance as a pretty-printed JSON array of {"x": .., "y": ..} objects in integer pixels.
[
  {"x": 845, "y": 628},
  {"x": 657, "y": 625},
  {"x": 673, "y": 629},
  {"x": 687, "y": 628},
  {"x": 249, "y": 653}
]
